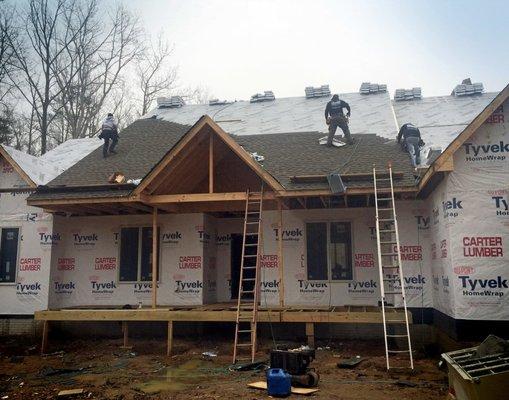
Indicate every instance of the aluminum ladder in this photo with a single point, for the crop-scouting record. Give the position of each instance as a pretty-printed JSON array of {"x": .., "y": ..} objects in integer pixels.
[
  {"x": 249, "y": 281},
  {"x": 392, "y": 288}
]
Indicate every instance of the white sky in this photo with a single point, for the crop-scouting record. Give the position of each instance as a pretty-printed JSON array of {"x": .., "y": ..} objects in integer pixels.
[{"x": 237, "y": 48}]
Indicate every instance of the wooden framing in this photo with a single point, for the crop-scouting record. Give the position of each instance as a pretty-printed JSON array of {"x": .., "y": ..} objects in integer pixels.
[
  {"x": 155, "y": 240},
  {"x": 280, "y": 255},
  {"x": 211, "y": 163}
]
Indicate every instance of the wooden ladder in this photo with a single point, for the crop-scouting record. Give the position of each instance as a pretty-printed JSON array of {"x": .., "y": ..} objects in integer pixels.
[
  {"x": 249, "y": 282},
  {"x": 392, "y": 287}
]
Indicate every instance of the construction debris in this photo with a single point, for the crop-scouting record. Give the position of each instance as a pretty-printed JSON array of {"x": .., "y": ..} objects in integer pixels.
[
  {"x": 295, "y": 390},
  {"x": 70, "y": 392},
  {"x": 350, "y": 362}
]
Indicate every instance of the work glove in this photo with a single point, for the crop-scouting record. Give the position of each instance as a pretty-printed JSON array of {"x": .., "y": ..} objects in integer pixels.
[{"x": 421, "y": 143}]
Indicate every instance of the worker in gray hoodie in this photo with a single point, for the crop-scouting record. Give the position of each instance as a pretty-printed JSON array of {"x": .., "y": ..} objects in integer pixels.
[
  {"x": 109, "y": 131},
  {"x": 410, "y": 138}
]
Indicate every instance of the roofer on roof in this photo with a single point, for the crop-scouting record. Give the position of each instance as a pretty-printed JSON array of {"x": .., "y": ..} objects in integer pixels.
[
  {"x": 412, "y": 142},
  {"x": 109, "y": 131},
  {"x": 335, "y": 118}
]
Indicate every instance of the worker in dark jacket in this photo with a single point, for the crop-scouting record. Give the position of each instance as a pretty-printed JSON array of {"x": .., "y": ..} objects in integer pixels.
[
  {"x": 109, "y": 131},
  {"x": 335, "y": 118},
  {"x": 410, "y": 138}
]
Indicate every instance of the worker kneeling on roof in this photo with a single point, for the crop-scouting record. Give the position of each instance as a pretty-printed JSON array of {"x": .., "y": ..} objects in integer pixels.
[
  {"x": 109, "y": 131},
  {"x": 335, "y": 118},
  {"x": 410, "y": 138}
]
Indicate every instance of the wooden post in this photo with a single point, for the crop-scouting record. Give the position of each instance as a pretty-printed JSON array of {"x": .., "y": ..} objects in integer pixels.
[
  {"x": 170, "y": 338},
  {"x": 155, "y": 240},
  {"x": 125, "y": 331},
  {"x": 280, "y": 256},
  {"x": 211, "y": 163},
  {"x": 310, "y": 333},
  {"x": 44, "y": 344}
]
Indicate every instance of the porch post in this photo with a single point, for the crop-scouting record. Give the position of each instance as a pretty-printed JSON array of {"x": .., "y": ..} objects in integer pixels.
[
  {"x": 211, "y": 163},
  {"x": 155, "y": 238},
  {"x": 280, "y": 254}
]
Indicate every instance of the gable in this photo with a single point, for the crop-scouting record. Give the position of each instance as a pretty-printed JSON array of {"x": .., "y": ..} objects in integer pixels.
[{"x": 11, "y": 175}]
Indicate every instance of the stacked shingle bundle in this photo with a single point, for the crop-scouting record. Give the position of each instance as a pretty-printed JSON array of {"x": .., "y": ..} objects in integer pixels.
[
  {"x": 170, "y": 102},
  {"x": 468, "y": 89},
  {"x": 268, "y": 95},
  {"x": 408, "y": 94},
  {"x": 321, "y": 91},
  {"x": 217, "y": 102},
  {"x": 368, "y": 88}
]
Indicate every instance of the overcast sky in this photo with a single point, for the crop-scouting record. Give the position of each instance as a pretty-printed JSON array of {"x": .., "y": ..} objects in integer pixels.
[{"x": 236, "y": 48}]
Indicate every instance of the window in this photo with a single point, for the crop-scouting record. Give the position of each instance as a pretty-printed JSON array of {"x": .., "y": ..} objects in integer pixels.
[
  {"x": 8, "y": 254},
  {"x": 136, "y": 254},
  {"x": 329, "y": 250}
]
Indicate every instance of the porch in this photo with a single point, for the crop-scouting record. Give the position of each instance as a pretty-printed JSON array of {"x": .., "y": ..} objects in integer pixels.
[{"x": 219, "y": 312}]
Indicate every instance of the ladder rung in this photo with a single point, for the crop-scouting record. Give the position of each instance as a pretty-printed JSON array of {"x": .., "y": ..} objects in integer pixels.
[
  {"x": 244, "y": 330},
  {"x": 251, "y": 245},
  {"x": 396, "y": 320},
  {"x": 249, "y": 279},
  {"x": 393, "y": 292},
  {"x": 387, "y": 230},
  {"x": 386, "y": 219},
  {"x": 250, "y": 255},
  {"x": 388, "y": 243},
  {"x": 391, "y": 280},
  {"x": 253, "y": 212},
  {"x": 395, "y": 336},
  {"x": 387, "y": 266},
  {"x": 385, "y": 209},
  {"x": 389, "y": 254},
  {"x": 251, "y": 233},
  {"x": 246, "y": 291},
  {"x": 383, "y": 179},
  {"x": 244, "y": 344},
  {"x": 249, "y": 267},
  {"x": 252, "y": 222},
  {"x": 398, "y": 351}
]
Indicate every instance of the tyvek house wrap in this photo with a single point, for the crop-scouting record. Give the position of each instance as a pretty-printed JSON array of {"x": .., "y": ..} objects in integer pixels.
[
  {"x": 471, "y": 223},
  {"x": 29, "y": 291}
]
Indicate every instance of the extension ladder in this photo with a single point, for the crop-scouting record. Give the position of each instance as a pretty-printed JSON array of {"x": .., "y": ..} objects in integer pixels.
[
  {"x": 392, "y": 288},
  {"x": 249, "y": 282}
]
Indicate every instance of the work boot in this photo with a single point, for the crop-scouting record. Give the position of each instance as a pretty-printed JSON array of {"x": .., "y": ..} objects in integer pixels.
[{"x": 113, "y": 152}]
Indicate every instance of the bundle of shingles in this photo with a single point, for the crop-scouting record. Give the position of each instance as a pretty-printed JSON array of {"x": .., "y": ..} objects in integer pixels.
[
  {"x": 468, "y": 89},
  {"x": 408, "y": 94},
  {"x": 320, "y": 91},
  {"x": 369, "y": 88},
  {"x": 170, "y": 102},
  {"x": 267, "y": 95},
  {"x": 217, "y": 102}
]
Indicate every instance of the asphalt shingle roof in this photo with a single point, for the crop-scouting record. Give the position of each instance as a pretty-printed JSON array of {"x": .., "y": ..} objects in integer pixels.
[{"x": 145, "y": 142}]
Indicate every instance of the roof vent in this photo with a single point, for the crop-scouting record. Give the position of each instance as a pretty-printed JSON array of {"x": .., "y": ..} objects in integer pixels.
[
  {"x": 408, "y": 94},
  {"x": 217, "y": 102},
  {"x": 467, "y": 88},
  {"x": 268, "y": 95},
  {"x": 321, "y": 91},
  {"x": 170, "y": 102},
  {"x": 370, "y": 88}
]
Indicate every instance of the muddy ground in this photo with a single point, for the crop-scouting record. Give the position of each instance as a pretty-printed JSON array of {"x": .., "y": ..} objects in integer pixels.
[{"x": 105, "y": 371}]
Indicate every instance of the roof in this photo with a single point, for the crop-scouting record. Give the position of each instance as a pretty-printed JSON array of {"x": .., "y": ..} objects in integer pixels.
[
  {"x": 38, "y": 170},
  {"x": 297, "y": 154},
  {"x": 442, "y": 118},
  {"x": 145, "y": 142},
  {"x": 71, "y": 151}
]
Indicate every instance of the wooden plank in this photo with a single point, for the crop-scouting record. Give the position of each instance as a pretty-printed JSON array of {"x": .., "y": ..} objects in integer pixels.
[
  {"x": 280, "y": 255},
  {"x": 345, "y": 177},
  {"x": 295, "y": 390},
  {"x": 155, "y": 244},
  {"x": 211, "y": 163},
  {"x": 310, "y": 334},
  {"x": 44, "y": 343},
  {"x": 205, "y": 197},
  {"x": 125, "y": 331},
  {"x": 349, "y": 191},
  {"x": 169, "y": 345},
  {"x": 70, "y": 392}
]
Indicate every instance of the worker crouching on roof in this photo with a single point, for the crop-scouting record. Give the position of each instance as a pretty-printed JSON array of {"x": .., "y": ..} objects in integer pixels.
[
  {"x": 410, "y": 138},
  {"x": 109, "y": 131},
  {"x": 335, "y": 118}
]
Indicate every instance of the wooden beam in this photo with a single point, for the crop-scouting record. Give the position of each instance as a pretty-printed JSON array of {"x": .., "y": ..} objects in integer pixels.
[
  {"x": 125, "y": 331},
  {"x": 310, "y": 333},
  {"x": 137, "y": 207},
  {"x": 95, "y": 200},
  {"x": 349, "y": 191},
  {"x": 169, "y": 345},
  {"x": 205, "y": 197},
  {"x": 280, "y": 255},
  {"x": 211, "y": 163},
  {"x": 301, "y": 201},
  {"x": 345, "y": 177},
  {"x": 44, "y": 343},
  {"x": 155, "y": 239}
]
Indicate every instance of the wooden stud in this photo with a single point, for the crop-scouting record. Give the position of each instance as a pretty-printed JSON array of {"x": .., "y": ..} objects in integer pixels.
[
  {"x": 211, "y": 163},
  {"x": 169, "y": 346},
  {"x": 206, "y": 197},
  {"x": 310, "y": 333},
  {"x": 280, "y": 255},
  {"x": 155, "y": 239},
  {"x": 125, "y": 331},
  {"x": 44, "y": 343}
]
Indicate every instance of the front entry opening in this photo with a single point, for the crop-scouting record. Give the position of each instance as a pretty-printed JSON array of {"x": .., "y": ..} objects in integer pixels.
[{"x": 235, "y": 263}]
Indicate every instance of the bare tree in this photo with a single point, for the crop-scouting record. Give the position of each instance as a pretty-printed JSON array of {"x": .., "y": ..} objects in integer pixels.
[
  {"x": 39, "y": 49},
  {"x": 102, "y": 50},
  {"x": 155, "y": 76},
  {"x": 6, "y": 52}
]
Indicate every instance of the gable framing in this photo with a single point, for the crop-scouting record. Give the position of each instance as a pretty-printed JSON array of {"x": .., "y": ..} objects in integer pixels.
[
  {"x": 17, "y": 168},
  {"x": 206, "y": 121},
  {"x": 444, "y": 162}
]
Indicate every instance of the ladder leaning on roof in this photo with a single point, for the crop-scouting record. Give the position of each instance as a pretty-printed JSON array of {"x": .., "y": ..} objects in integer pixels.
[
  {"x": 392, "y": 288},
  {"x": 249, "y": 282}
]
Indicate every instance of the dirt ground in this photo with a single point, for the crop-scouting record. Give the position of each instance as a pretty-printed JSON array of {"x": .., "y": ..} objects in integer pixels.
[{"x": 105, "y": 371}]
